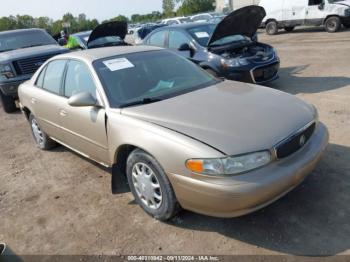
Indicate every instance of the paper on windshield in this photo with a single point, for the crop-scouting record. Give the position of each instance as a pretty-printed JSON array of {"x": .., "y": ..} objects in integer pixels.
[
  {"x": 118, "y": 64},
  {"x": 202, "y": 34}
]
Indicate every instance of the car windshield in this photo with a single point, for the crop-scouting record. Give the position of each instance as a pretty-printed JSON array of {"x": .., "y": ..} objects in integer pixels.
[
  {"x": 146, "y": 77},
  {"x": 17, "y": 40},
  {"x": 106, "y": 41},
  {"x": 203, "y": 33}
]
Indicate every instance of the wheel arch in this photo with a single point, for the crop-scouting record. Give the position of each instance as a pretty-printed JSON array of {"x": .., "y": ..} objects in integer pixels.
[
  {"x": 26, "y": 112},
  {"x": 329, "y": 16}
]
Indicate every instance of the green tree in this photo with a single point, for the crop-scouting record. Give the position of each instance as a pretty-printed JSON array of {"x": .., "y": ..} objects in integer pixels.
[
  {"x": 120, "y": 18},
  {"x": 168, "y": 7},
  {"x": 190, "y": 7}
]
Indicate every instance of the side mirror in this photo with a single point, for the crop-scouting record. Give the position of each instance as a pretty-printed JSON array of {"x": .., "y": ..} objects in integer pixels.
[
  {"x": 186, "y": 47},
  {"x": 82, "y": 100},
  {"x": 321, "y": 6}
]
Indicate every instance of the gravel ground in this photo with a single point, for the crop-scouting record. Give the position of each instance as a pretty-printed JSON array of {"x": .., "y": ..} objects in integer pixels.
[{"x": 59, "y": 203}]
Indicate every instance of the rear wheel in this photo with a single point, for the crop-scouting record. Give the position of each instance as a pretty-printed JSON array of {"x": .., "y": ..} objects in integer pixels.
[
  {"x": 42, "y": 140},
  {"x": 272, "y": 28},
  {"x": 332, "y": 24},
  {"x": 289, "y": 28},
  {"x": 150, "y": 186},
  {"x": 8, "y": 103}
]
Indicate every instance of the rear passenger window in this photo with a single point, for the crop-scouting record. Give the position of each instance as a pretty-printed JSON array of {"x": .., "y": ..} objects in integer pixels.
[
  {"x": 78, "y": 80},
  {"x": 53, "y": 76},
  {"x": 40, "y": 79},
  {"x": 157, "y": 39}
]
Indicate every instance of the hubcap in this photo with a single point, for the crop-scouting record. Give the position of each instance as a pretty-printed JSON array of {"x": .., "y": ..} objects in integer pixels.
[
  {"x": 38, "y": 134},
  {"x": 147, "y": 185}
]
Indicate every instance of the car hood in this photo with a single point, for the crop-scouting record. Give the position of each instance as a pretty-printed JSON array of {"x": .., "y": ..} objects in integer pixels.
[
  {"x": 233, "y": 117},
  {"x": 32, "y": 52},
  {"x": 345, "y": 2},
  {"x": 244, "y": 21},
  {"x": 114, "y": 28}
]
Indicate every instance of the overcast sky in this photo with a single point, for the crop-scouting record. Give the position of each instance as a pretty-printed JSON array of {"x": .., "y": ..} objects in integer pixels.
[{"x": 100, "y": 9}]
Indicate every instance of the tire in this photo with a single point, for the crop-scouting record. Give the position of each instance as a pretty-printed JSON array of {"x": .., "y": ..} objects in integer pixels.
[
  {"x": 272, "y": 28},
  {"x": 42, "y": 140},
  {"x": 212, "y": 72},
  {"x": 332, "y": 24},
  {"x": 289, "y": 28},
  {"x": 8, "y": 103},
  {"x": 147, "y": 179}
]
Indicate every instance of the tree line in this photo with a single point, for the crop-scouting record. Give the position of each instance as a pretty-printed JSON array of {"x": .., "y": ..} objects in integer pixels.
[{"x": 171, "y": 8}]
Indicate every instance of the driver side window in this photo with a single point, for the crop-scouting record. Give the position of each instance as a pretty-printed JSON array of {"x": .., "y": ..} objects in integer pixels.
[
  {"x": 78, "y": 80},
  {"x": 176, "y": 39},
  {"x": 315, "y": 2}
]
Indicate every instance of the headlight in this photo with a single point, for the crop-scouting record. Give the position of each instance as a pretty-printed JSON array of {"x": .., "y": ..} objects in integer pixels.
[
  {"x": 6, "y": 71},
  {"x": 347, "y": 12},
  {"x": 230, "y": 165},
  {"x": 316, "y": 116},
  {"x": 235, "y": 62}
]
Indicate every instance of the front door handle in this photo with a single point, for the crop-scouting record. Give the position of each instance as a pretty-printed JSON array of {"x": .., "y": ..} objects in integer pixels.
[
  {"x": 33, "y": 100},
  {"x": 63, "y": 113}
]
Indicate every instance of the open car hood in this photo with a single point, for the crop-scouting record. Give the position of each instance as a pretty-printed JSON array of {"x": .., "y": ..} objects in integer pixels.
[
  {"x": 115, "y": 28},
  {"x": 244, "y": 21}
]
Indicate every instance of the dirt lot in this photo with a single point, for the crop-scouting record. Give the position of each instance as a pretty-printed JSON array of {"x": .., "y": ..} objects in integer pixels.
[{"x": 59, "y": 203}]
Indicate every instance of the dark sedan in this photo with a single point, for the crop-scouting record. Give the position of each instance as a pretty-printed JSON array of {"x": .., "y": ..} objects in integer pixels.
[{"x": 227, "y": 49}]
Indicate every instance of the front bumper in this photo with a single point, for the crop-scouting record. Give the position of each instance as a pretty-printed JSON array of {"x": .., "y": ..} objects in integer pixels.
[
  {"x": 256, "y": 73},
  {"x": 239, "y": 195},
  {"x": 11, "y": 88}
]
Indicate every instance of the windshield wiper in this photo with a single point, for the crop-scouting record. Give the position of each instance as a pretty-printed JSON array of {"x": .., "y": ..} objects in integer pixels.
[{"x": 144, "y": 101}]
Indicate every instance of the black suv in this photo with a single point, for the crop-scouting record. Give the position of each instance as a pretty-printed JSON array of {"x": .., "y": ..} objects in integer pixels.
[{"x": 22, "y": 52}]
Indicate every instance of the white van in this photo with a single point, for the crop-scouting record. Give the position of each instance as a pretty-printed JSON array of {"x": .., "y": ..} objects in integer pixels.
[{"x": 290, "y": 13}]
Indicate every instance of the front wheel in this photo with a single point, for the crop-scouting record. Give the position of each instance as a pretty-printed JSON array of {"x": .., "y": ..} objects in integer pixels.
[
  {"x": 272, "y": 28},
  {"x": 42, "y": 140},
  {"x": 8, "y": 103},
  {"x": 150, "y": 186},
  {"x": 332, "y": 24}
]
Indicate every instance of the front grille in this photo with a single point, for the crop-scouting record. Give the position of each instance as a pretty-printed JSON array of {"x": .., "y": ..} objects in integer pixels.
[
  {"x": 295, "y": 142},
  {"x": 30, "y": 65},
  {"x": 265, "y": 73}
]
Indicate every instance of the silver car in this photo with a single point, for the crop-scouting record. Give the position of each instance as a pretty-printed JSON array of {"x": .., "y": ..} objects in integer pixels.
[{"x": 182, "y": 137}]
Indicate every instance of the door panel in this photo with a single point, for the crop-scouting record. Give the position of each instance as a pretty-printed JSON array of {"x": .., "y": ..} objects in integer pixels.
[
  {"x": 46, "y": 109},
  {"x": 85, "y": 131},
  {"x": 294, "y": 12},
  {"x": 314, "y": 16},
  {"x": 46, "y": 99},
  {"x": 84, "y": 127}
]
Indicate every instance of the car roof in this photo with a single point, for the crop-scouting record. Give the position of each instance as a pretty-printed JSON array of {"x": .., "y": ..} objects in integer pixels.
[
  {"x": 16, "y": 31},
  {"x": 189, "y": 25},
  {"x": 91, "y": 55}
]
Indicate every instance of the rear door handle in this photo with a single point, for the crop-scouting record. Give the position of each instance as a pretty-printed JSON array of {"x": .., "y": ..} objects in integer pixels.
[
  {"x": 33, "y": 100},
  {"x": 63, "y": 113}
]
